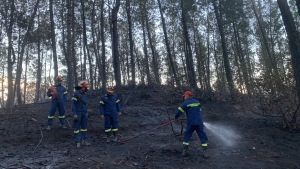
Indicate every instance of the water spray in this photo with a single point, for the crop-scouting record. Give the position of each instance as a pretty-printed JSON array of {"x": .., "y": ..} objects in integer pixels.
[{"x": 224, "y": 133}]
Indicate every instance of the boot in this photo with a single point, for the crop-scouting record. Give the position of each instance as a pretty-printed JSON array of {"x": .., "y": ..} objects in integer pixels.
[
  {"x": 115, "y": 139},
  {"x": 108, "y": 137},
  {"x": 78, "y": 144},
  {"x": 49, "y": 127},
  {"x": 85, "y": 143},
  {"x": 63, "y": 126},
  {"x": 205, "y": 155},
  {"x": 185, "y": 150}
]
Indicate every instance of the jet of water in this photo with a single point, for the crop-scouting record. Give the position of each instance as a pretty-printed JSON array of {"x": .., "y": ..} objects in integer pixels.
[{"x": 226, "y": 134}]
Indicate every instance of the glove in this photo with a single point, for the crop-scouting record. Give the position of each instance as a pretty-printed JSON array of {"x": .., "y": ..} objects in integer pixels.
[{"x": 75, "y": 117}]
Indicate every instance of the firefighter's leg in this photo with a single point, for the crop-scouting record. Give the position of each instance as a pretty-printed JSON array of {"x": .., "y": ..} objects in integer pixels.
[
  {"x": 187, "y": 135},
  {"x": 51, "y": 112},
  {"x": 61, "y": 110},
  {"x": 76, "y": 126},
  {"x": 107, "y": 127},
  {"x": 203, "y": 138},
  {"x": 83, "y": 130},
  {"x": 115, "y": 125}
]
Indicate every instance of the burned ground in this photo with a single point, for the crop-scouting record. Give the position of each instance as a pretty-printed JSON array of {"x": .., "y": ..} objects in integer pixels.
[{"x": 239, "y": 136}]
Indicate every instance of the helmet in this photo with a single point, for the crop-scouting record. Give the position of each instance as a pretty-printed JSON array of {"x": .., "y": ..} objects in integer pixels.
[
  {"x": 84, "y": 84},
  {"x": 187, "y": 93},
  {"x": 110, "y": 89},
  {"x": 58, "y": 78}
]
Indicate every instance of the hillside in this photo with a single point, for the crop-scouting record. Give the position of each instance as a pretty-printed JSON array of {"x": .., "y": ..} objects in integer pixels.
[{"x": 239, "y": 136}]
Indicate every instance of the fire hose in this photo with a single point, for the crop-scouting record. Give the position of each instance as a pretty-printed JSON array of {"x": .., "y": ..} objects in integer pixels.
[{"x": 146, "y": 132}]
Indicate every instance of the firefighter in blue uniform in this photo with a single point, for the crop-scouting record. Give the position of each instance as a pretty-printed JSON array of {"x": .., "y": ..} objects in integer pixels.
[
  {"x": 57, "y": 103},
  {"x": 79, "y": 111},
  {"x": 192, "y": 109},
  {"x": 110, "y": 108}
]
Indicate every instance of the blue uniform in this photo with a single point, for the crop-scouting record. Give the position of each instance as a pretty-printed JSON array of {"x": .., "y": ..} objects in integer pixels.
[
  {"x": 78, "y": 106},
  {"x": 109, "y": 107},
  {"x": 59, "y": 103},
  {"x": 192, "y": 108}
]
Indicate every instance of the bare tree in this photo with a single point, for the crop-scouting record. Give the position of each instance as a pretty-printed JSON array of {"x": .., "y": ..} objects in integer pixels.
[
  {"x": 131, "y": 43},
  {"x": 115, "y": 46},
  {"x": 294, "y": 39},
  {"x": 19, "y": 69},
  {"x": 10, "y": 60},
  {"x": 103, "y": 49},
  {"x": 167, "y": 45},
  {"x": 53, "y": 41},
  {"x": 219, "y": 18}
]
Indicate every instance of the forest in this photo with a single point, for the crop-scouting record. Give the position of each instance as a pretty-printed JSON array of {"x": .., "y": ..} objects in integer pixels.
[
  {"x": 229, "y": 49},
  {"x": 239, "y": 58}
]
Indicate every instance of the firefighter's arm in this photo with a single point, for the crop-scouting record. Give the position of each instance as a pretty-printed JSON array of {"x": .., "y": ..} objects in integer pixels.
[
  {"x": 119, "y": 107},
  {"x": 101, "y": 108},
  {"x": 180, "y": 111},
  {"x": 65, "y": 94},
  {"x": 73, "y": 106}
]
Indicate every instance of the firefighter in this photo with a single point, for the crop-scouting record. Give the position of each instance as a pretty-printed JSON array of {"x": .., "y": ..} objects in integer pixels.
[
  {"x": 192, "y": 108},
  {"x": 79, "y": 111},
  {"x": 57, "y": 102},
  {"x": 110, "y": 108}
]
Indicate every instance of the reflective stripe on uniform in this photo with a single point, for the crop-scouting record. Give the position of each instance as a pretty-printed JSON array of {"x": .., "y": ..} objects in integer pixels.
[
  {"x": 185, "y": 143},
  {"x": 204, "y": 145},
  {"x": 118, "y": 101},
  {"x": 115, "y": 129},
  {"x": 193, "y": 105},
  {"x": 61, "y": 117},
  {"x": 50, "y": 117},
  {"x": 73, "y": 98},
  {"x": 108, "y": 130},
  {"x": 83, "y": 130},
  {"x": 101, "y": 102},
  {"x": 180, "y": 109},
  {"x": 76, "y": 131},
  {"x": 65, "y": 92}
]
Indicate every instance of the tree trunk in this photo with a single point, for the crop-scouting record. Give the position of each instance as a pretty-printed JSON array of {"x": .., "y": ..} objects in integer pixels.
[
  {"x": 167, "y": 45},
  {"x": 103, "y": 49},
  {"x": 53, "y": 41},
  {"x": 208, "y": 55},
  {"x": 98, "y": 63},
  {"x": 39, "y": 71},
  {"x": 115, "y": 47},
  {"x": 154, "y": 56},
  {"x": 25, "y": 78},
  {"x": 271, "y": 58},
  {"x": 224, "y": 49},
  {"x": 241, "y": 58},
  {"x": 10, "y": 61},
  {"x": 86, "y": 45},
  {"x": 145, "y": 62},
  {"x": 189, "y": 55},
  {"x": 132, "y": 58},
  {"x": 75, "y": 73},
  {"x": 19, "y": 69},
  {"x": 69, "y": 60},
  {"x": 294, "y": 39}
]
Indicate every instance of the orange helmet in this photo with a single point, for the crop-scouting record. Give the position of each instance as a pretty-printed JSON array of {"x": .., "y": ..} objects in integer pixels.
[
  {"x": 84, "y": 84},
  {"x": 58, "y": 78},
  {"x": 110, "y": 89}
]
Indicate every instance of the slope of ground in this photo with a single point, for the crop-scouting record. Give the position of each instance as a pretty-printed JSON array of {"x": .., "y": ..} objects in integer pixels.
[{"x": 238, "y": 136}]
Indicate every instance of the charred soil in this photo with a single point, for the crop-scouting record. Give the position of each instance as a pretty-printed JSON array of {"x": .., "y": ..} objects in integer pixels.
[{"x": 239, "y": 136}]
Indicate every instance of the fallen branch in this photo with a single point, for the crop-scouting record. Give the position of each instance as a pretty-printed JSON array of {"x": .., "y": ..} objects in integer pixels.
[
  {"x": 39, "y": 142},
  {"x": 69, "y": 123}
]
